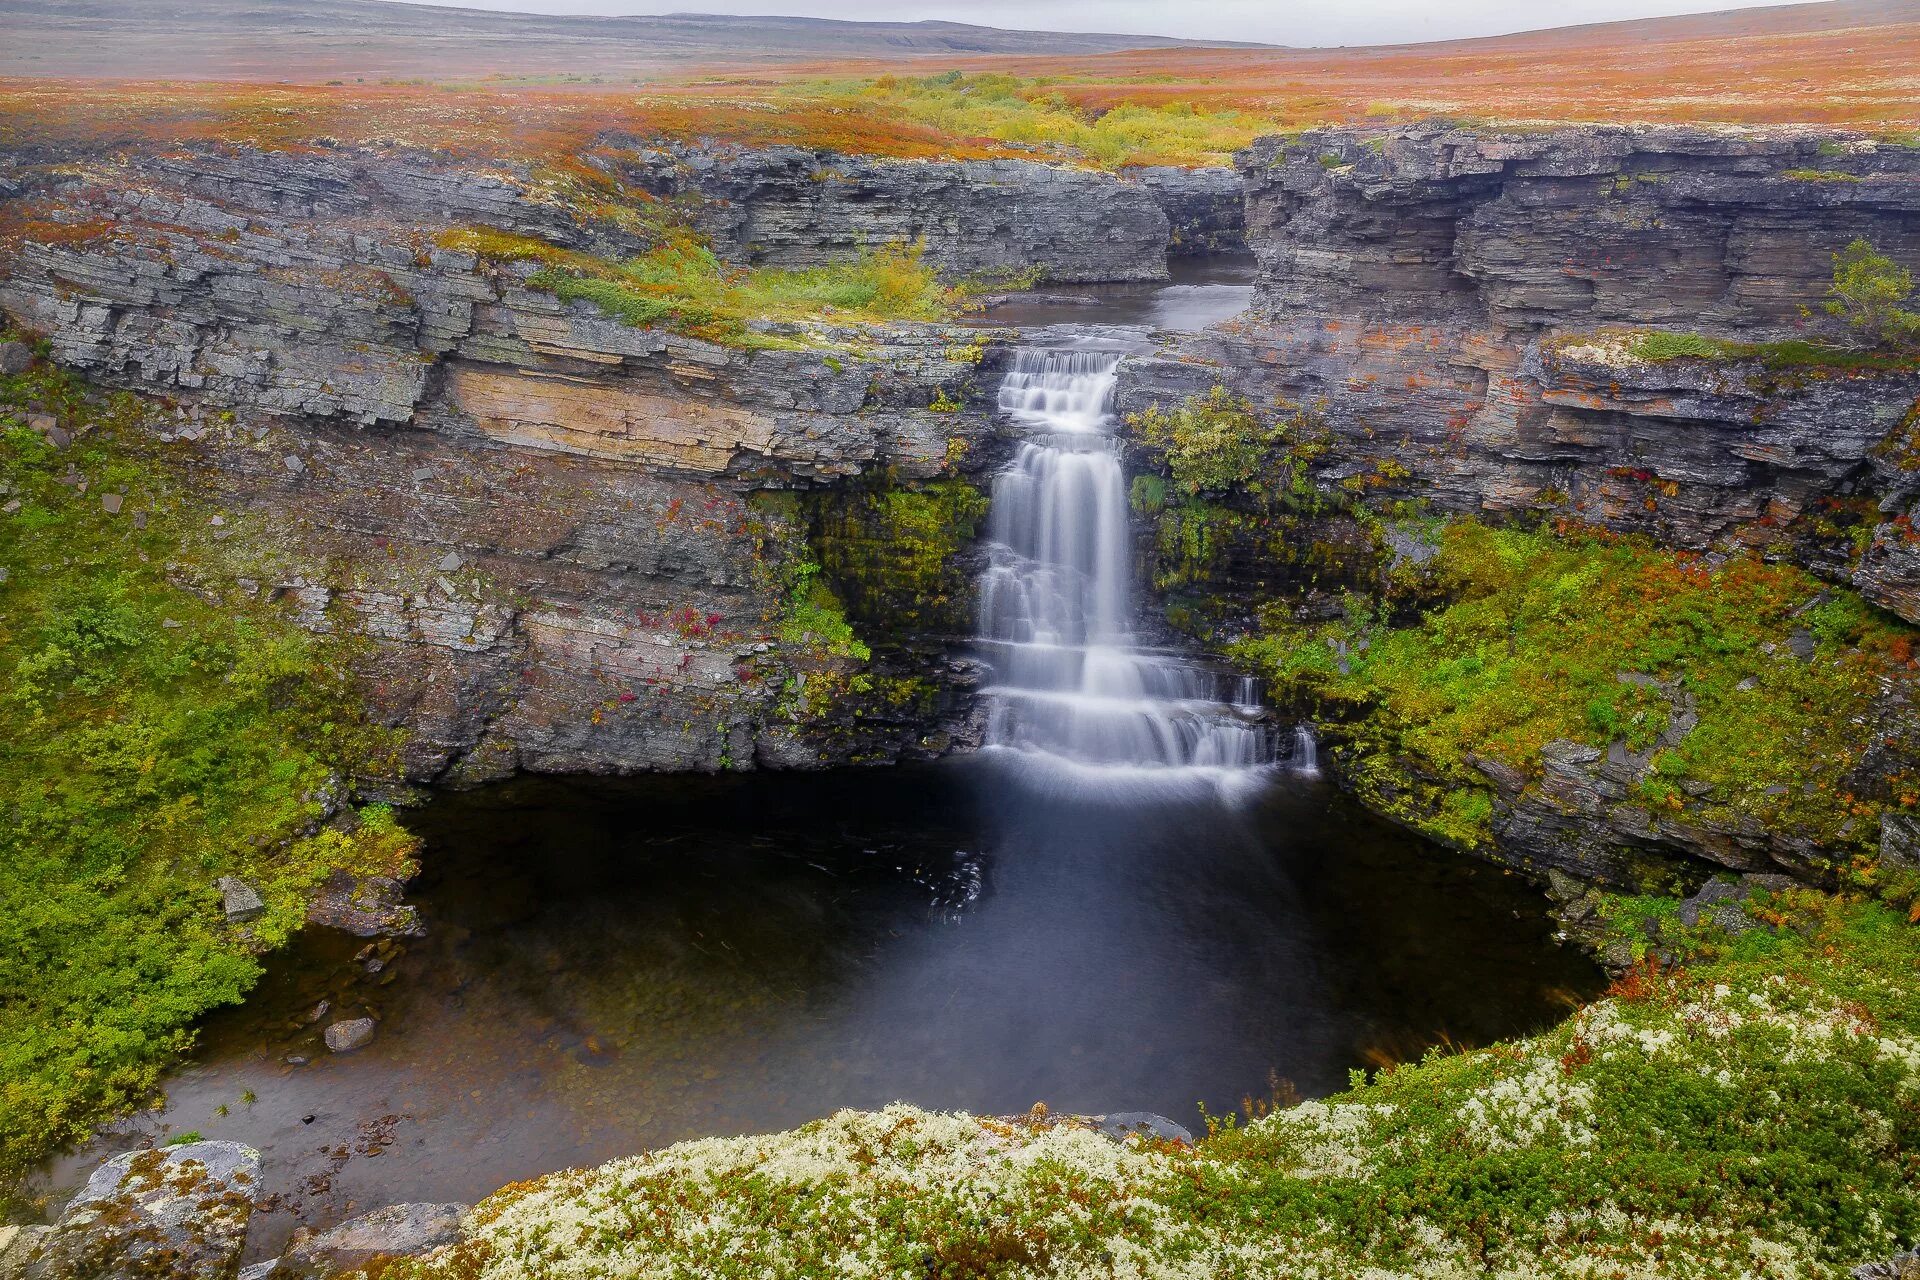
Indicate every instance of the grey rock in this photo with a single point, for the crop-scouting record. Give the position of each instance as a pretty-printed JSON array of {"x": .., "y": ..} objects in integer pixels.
[
  {"x": 1900, "y": 841},
  {"x": 450, "y": 561},
  {"x": 112, "y": 502},
  {"x": 239, "y": 900},
  {"x": 799, "y": 207},
  {"x": 365, "y": 906},
  {"x": 17, "y": 1245},
  {"x": 1801, "y": 644},
  {"x": 1904, "y": 1266},
  {"x": 173, "y": 1212},
  {"x": 293, "y": 463},
  {"x": 1119, "y": 1125},
  {"x": 397, "y": 1231},
  {"x": 350, "y": 1034},
  {"x": 260, "y": 1270},
  {"x": 15, "y": 357}
]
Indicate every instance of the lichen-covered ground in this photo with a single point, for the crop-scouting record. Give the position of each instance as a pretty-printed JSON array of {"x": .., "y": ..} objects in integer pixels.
[{"x": 1753, "y": 1114}]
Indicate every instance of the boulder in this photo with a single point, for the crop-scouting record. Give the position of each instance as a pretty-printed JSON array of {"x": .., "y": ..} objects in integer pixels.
[
  {"x": 1905, "y": 1266},
  {"x": 350, "y": 1034},
  {"x": 239, "y": 900},
  {"x": 1120, "y": 1125},
  {"x": 397, "y": 1231},
  {"x": 155, "y": 1215},
  {"x": 15, "y": 357},
  {"x": 17, "y": 1244}
]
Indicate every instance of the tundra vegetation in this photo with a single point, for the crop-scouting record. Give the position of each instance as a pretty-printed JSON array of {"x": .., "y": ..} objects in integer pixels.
[
  {"x": 680, "y": 285},
  {"x": 160, "y": 728}
]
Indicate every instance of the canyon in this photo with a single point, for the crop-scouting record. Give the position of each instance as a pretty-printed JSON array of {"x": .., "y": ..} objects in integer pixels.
[
  {"x": 551, "y": 529},
  {"x": 552, "y": 540}
]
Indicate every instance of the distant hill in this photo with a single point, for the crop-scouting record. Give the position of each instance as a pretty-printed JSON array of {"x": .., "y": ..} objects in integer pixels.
[{"x": 310, "y": 39}]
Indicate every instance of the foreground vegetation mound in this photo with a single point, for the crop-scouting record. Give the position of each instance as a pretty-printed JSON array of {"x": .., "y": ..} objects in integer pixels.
[
  {"x": 1754, "y": 1115},
  {"x": 159, "y": 729}
]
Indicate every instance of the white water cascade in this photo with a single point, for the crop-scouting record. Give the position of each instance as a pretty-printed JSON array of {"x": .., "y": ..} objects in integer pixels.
[{"x": 1072, "y": 690}]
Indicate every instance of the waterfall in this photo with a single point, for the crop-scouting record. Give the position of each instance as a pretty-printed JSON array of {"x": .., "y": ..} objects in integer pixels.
[
  {"x": 1072, "y": 691},
  {"x": 1306, "y": 752}
]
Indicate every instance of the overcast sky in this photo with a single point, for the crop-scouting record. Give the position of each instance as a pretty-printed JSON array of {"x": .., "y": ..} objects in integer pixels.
[{"x": 1274, "y": 21}]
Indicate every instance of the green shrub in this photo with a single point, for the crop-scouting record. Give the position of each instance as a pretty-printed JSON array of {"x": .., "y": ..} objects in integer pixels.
[
  {"x": 1868, "y": 290},
  {"x": 152, "y": 739}
]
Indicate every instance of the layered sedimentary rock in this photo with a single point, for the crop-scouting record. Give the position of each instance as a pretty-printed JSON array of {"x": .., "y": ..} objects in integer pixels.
[
  {"x": 1460, "y": 311},
  {"x": 1463, "y": 316},
  {"x": 541, "y": 517},
  {"x": 796, "y": 207}
]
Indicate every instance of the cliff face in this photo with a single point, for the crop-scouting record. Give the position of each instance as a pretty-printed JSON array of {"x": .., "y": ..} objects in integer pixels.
[
  {"x": 1464, "y": 317},
  {"x": 544, "y": 521},
  {"x": 1465, "y": 308},
  {"x": 797, "y": 207}
]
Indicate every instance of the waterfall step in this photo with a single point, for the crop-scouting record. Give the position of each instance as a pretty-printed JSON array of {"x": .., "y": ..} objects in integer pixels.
[{"x": 1072, "y": 691}]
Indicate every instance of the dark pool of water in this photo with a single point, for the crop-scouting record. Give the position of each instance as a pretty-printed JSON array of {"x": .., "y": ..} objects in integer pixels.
[
  {"x": 615, "y": 967},
  {"x": 1202, "y": 291}
]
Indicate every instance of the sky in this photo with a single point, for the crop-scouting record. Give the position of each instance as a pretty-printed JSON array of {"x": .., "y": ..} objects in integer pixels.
[{"x": 1331, "y": 22}]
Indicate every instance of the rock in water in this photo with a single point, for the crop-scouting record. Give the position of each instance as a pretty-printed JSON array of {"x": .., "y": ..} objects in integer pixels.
[
  {"x": 1120, "y": 1124},
  {"x": 155, "y": 1215},
  {"x": 241, "y": 901},
  {"x": 353, "y": 1033},
  {"x": 397, "y": 1231}
]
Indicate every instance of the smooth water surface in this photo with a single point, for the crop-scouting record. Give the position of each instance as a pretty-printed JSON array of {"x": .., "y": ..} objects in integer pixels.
[
  {"x": 615, "y": 967},
  {"x": 1203, "y": 291}
]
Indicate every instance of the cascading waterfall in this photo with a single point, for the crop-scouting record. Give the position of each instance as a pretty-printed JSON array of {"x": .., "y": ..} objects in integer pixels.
[{"x": 1072, "y": 690}]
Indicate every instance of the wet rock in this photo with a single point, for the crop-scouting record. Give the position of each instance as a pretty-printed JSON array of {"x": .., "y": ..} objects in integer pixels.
[
  {"x": 1120, "y": 1125},
  {"x": 349, "y": 1034},
  {"x": 365, "y": 906},
  {"x": 239, "y": 900},
  {"x": 15, "y": 357},
  {"x": 155, "y": 1215},
  {"x": 1904, "y": 1266},
  {"x": 397, "y": 1231}
]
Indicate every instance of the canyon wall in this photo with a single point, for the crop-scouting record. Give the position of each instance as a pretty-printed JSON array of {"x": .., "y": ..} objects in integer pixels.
[
  {"x": 546, "y": 523},
  {"x": 1463, "y": 318},
  {"x": 799, "y": 207},
  {"x": 553, "y": 530},
  {"x": 1460, "y": 311}
]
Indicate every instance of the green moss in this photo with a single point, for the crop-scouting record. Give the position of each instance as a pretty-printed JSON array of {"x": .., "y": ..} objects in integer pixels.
[
  {"x": 891, "y": 552},
  {"x": 160, "y": 729},
  {"x": 1219, "y": 443},
  {"x": 1790, "y": 355},
  {"x": 682, "y": 286},
  {"x": 1595, "y": 639}
]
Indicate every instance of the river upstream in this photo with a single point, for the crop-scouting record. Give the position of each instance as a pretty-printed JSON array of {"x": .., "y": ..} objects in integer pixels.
[{"x": 1136, "y": 899}]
